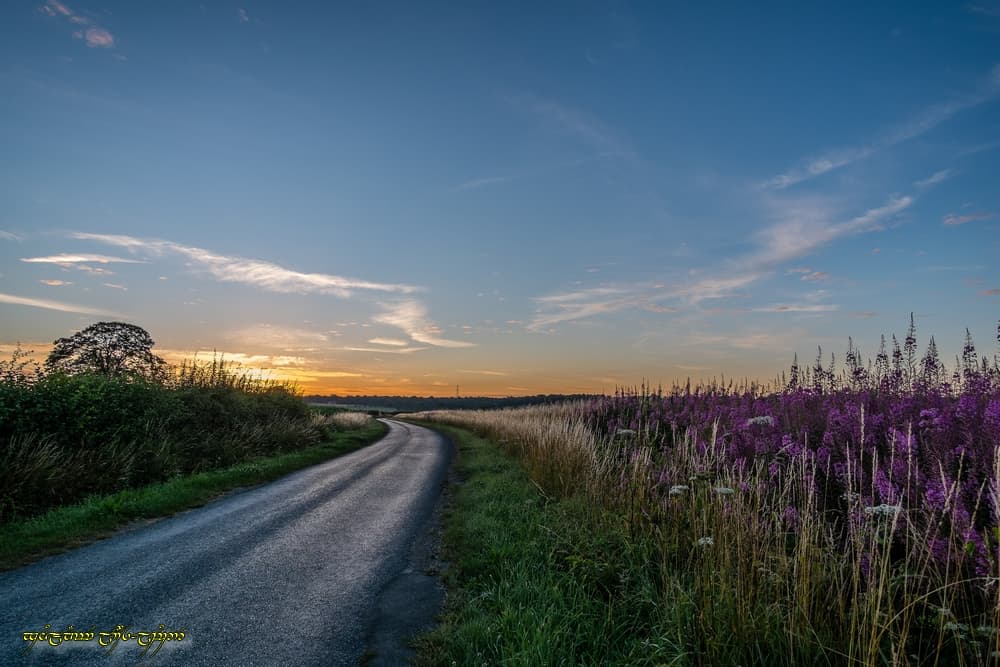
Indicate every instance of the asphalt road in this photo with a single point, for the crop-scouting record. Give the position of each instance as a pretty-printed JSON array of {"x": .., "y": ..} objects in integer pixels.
[{"x": 290, "y": 573}]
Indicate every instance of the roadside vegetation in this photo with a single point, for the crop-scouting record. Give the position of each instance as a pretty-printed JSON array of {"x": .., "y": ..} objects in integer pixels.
[
  {"x": 536, "y": 580},
  {"x": 106, "y": 433},
  {"x": 840, "y": 517}
]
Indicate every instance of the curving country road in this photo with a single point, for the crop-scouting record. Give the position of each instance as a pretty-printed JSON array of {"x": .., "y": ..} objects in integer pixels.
[{"x": 295, "y": 572}]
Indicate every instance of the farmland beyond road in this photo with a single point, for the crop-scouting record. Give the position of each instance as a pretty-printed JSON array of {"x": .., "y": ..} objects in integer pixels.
[{"x": 289, "y": 573}]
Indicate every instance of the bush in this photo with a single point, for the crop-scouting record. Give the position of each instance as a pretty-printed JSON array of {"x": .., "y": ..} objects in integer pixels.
[{"x": 64, "y": 437}]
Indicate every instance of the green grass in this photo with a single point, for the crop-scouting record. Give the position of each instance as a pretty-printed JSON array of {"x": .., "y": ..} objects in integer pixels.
[
  {"x": 537, "y": 581},
  {"x": 99, "y": 516}
]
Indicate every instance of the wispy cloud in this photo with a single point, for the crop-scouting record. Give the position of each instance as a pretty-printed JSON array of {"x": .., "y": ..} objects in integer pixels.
[
  {"x": 981, "y": 148},
  {"x": 398, "y": 350},
  {"x": 278, "y": 337},
  {"x": 955, "y": 219},
  {"x": 585, "y": 126},
  {"x": 991, "y": 292},
  {"x": 68, "y": 258},
  {"x": 984, "y": 10},
  {"x": 96, "y": 38},
  {"x": 55, "y": 305},
  {"x": 55, "y": 283},
  {"x": 94, "y": 35},
  {"x": 116, "y": 286},
  {"x": 800, "y": 230},
  {"x": 580, "y": 304},
  {"x": 919, "y": 124},
  {"x": 809, "y": 275},
  {"x": 241, "y": 15},
  {"x": 54, "y": 7},
  {"x": 782, "y": 339},
  {"x": 534, "y": 171},
  {"x": 10, "y": 236},
  {"x": 411, "y": 317},
  {"x": 484, "y": 372},
  {"x": 477, "y": 183},
  {"x": 934, "y": 179},
  {"x": 797, "y": 308},
  {"x": 260, "y": 273},
  {"x": 245, "y": 359},
  {"x": 394, "y": 342}
]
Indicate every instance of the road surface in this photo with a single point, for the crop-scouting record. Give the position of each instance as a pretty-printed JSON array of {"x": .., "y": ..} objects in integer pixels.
[{"x": 295, "y": 572}]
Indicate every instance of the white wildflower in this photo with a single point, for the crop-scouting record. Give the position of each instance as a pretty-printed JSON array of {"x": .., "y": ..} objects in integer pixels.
[
  {"x": 765, "y": 420},
  {"x": 705, "y": 541},
  {"x": 678, "y": 489},
  {"x": 625, "y": 432},
  {"x": 723, "y": 490},
  {"x": 883, "y": 510}
]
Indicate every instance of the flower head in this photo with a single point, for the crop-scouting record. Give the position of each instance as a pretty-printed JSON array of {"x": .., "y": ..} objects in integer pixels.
[{"x": 883, "y": 510}]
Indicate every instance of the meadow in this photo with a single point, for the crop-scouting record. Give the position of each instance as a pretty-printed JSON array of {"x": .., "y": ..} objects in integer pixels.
[{"x": 838, "y": 516}]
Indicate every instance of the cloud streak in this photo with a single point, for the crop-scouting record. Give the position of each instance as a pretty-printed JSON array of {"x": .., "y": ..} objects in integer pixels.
[
  {"x": 582, "y": 125},
  {"x": 411, "y": 317},
  {"x": 953, "y": 219},
  {"x": 923, "y": 122},
  {"x": 68, "y": 258},
  {"x": 278, "y": 337},
  {"x": 797, "y": 308},
  {"x": 802, "y": 229},
  {"x": 93, "y": 35},
  {"x": 394, "y": 342},
  {"x": 259, "y": 273},
  {"x": 934, "y": 179},
  {"x": 55, "y": 305}
]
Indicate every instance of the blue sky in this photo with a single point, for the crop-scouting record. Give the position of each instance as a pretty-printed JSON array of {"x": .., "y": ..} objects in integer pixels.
[{"x": 402, "y": 197}]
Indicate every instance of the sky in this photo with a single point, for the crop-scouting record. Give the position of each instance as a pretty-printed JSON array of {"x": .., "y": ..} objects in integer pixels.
[{"x": 500, "y": 198}]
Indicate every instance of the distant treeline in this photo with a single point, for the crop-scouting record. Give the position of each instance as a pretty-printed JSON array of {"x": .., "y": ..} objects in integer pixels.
[{"x": 421, "y": 403}]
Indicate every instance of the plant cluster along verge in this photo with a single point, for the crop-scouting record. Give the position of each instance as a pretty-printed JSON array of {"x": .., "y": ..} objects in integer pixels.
[{"x": 538, "y": 581}]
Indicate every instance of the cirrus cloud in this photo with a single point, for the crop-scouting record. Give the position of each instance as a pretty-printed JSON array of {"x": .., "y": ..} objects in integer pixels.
[{"x": 260, "y": 273}]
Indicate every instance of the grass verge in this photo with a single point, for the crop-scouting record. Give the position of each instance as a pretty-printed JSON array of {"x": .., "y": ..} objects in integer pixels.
[
  {"x": 538, "y": 581},
  {"x": 99, "y": 516}
]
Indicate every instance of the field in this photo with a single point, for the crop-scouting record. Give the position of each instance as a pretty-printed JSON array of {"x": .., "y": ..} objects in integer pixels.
[{"x": 839, "y": 518}]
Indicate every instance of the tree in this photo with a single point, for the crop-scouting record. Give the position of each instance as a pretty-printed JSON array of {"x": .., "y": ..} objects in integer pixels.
[{"x": 108, "y": 348}]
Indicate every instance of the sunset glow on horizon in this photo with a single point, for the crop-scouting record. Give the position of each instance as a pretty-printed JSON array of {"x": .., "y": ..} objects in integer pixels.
[{"x": 500, "y": 199}]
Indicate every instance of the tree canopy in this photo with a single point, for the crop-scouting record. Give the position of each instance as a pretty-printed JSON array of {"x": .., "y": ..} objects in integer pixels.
[{"x": 108, "y": 348}]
